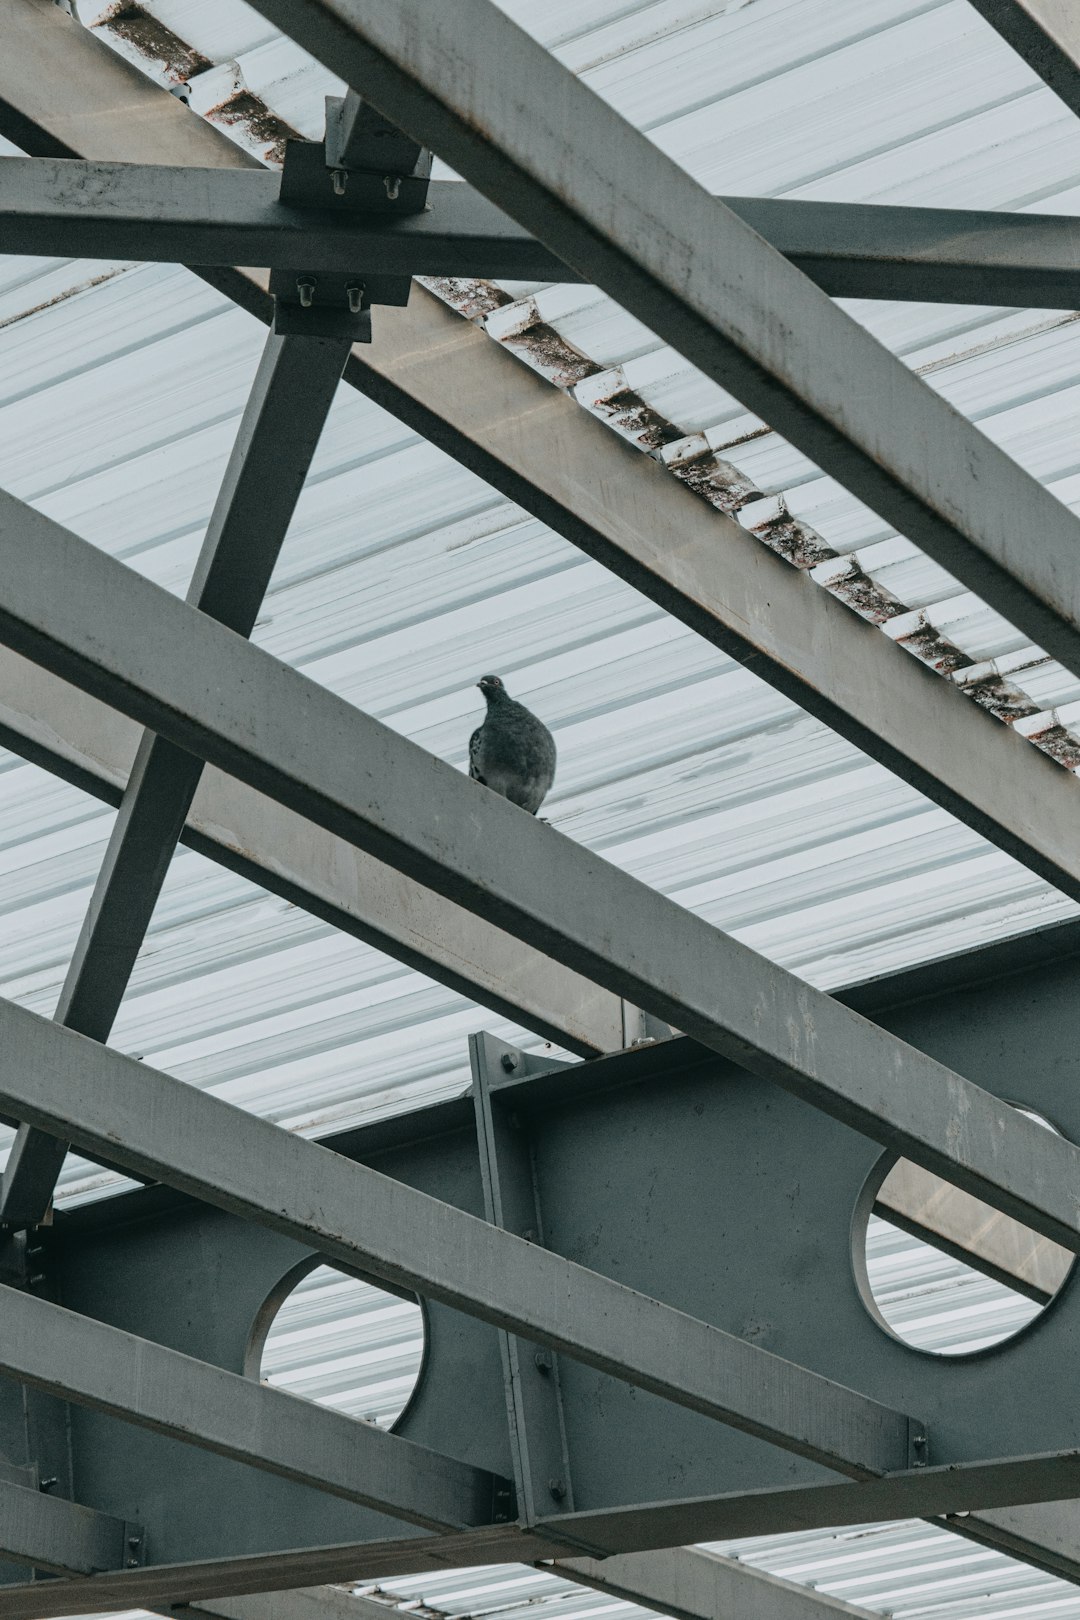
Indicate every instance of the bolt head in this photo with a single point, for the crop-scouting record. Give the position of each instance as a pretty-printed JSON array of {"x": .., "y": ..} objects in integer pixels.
[{"x": 509, "y": 1061}]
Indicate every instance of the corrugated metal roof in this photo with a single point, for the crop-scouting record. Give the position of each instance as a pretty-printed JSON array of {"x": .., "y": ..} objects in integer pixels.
[{"x": 404, "y": 576}]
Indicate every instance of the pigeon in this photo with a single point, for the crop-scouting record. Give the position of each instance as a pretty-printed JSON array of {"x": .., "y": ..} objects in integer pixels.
[{"x": 513, "y": 752}]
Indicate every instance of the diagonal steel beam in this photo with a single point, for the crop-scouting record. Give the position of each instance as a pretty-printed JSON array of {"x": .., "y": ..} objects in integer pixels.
[
  {"x": 290, "y": 399},
  {"x": 89, "y": 619},
  {"x": 195, "y": 216},
  {"x": 102, "y": 1367},
  {"x": 473, "y": 86},
  {"x": 155, "y": 1125},
  {"x": 62, "y": 90},
  {"x": 1046, "y": 33}
]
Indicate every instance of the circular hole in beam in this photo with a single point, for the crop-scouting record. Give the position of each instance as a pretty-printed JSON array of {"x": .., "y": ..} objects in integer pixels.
[
  {"x": 942, "y": 1271},
  {"x": 343, "y": 1342}
]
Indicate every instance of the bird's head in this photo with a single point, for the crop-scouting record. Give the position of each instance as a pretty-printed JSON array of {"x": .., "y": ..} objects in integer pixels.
[{"x": 492, "y": 687}]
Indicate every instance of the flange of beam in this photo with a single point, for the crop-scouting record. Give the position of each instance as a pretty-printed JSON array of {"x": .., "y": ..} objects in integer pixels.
[
  {"x": 472, "y": 85},
  {"x": 87, "y": 618}
]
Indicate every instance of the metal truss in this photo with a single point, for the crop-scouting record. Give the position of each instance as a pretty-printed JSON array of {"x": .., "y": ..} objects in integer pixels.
[{"x": 450, "y": 877}]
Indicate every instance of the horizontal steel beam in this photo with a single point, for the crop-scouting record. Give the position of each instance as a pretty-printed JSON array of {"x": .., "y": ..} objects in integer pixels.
[
  {"x": 1046, "y": 33},
  {"x": 62, "y": 1537},
  {"x": 99, "y": 1366},
  {"x": 175, "y": 1584},
  {"x": 679, "y": 1582},
  {"x": 196, "y": 216},
  {"x": 78, "y": 612},
  {"x": 918, "y": 1492},
  {"x": 913, "y": 1493},
  {"x": 73, "y": 735},
  {"x": 607, "y": 200},
  {"x": 160, "y": 1127}
]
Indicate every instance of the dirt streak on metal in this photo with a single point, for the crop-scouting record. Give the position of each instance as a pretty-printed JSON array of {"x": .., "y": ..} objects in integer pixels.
[{"x": 153, "y": 40}]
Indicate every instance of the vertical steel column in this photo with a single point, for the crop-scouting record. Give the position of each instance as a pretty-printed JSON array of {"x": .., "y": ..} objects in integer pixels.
[{"x": 530, "y": 1371}]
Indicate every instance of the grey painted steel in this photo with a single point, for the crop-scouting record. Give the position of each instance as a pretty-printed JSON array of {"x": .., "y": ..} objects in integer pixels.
[
  {"x": 61, "y": 88},
  {"x": 183, "y": 127},
  {"x": 278, "y": 434},
  {"x": 160, "y": 1127},
  {"x": 512, "y": 120},
  {"x": 692, "y": 1586},
  {"x": 678, "y": 1175},
  {"x": 689, "y": 1585},
  {"x": 1047, "y": 35},
  {"x": 188, "y": 215},
  {"x": 542, "y": 1472},
  {"x": 85, "y": 616},
  {"x": 89, "y": 1362},
  {"x": 916, "y": 1493},
  {"x": 62, "y": 1537},
  {"x": 191, "y": 216},
  {"x": 174, "y": 1584},
  {"x": 72, "y": 734}
]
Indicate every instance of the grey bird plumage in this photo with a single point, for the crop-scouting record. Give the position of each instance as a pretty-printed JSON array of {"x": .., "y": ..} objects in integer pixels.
[{"x": 513, "y": 752}]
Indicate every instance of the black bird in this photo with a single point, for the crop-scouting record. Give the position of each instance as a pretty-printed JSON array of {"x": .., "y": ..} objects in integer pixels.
[{"x": 512, "y": 752}]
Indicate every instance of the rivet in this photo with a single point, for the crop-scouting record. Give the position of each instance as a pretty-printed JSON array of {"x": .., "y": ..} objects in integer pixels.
[
  {"x": 340, "y": 179},
  {"x": 557, "y": 1487},
  {"x": 543, "y": 1362},
  {"x": 355, "y": 294},
  {"x": 306, "y": 288},
  {"x": 392, "y": 182}
]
